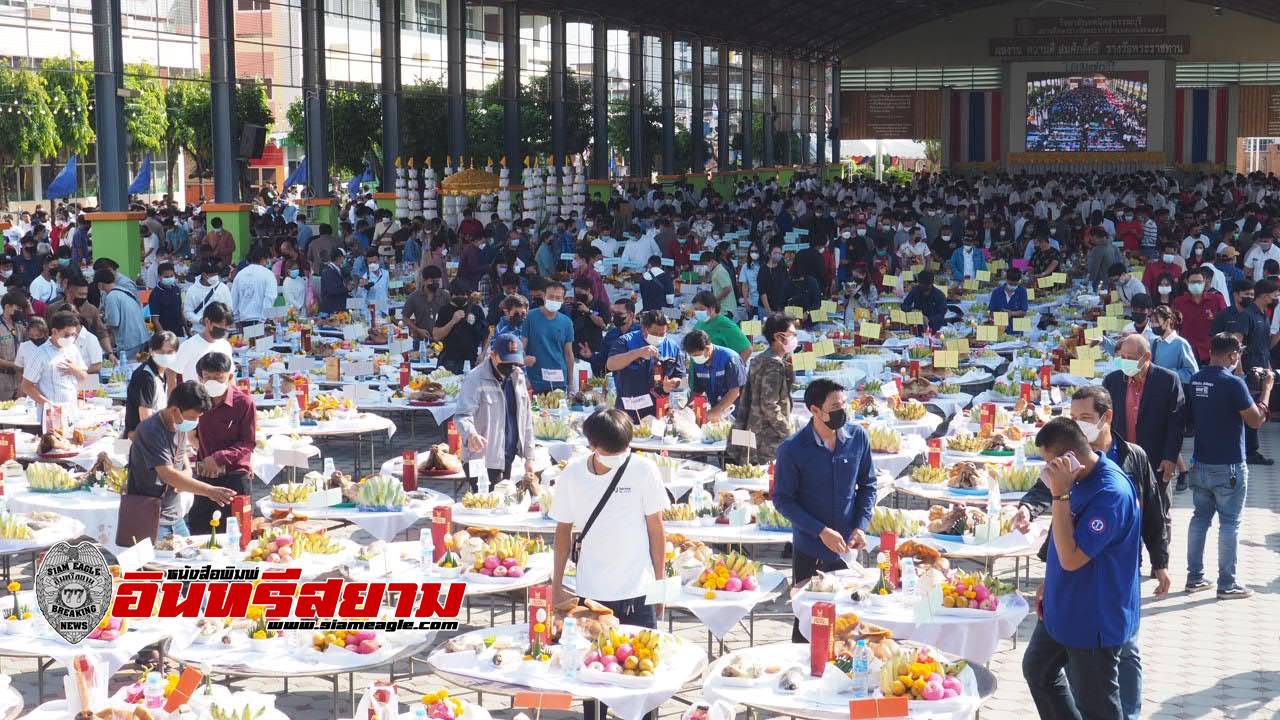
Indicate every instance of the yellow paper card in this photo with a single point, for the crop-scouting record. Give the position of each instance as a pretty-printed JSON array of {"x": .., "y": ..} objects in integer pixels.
[
  {"x": 959, "y": 345},
  {"x": 1082, "y": 368},
  {"x": 1088, "y": 352},
  {"x": 1059, "y": 278},
  {"x": 942, "y": 288},
  {"x": 997, "y": 265},
  {"x": 892, "y": 281},
  {"x": 1022, "y": 324},
  {"x": 970, "y": 284},
  {"x": 915, "y": 317},
  {"x": 988, "y": 333},
  {"x": 1115, "y": 310},
  {"x": 946, "y": 359},
  {"x": 1045, "y": 282},
  {"x": 830, "y": 306},
  {"x": 824, "y": 347},
  {"x": 1031, "y": 293},
  {"x": 896, "y": 315},
  {"x": 794, "y": 311},
  {"x": 908, "y": 275},
  {"x": 750, "y": 328},
  {"x": 869, "y": 330},
  {"x": 984, "y": 276},
  {"x": 1093, "y": 334},
  {"x": 818, "y": 315},
  {"x": 804, "y": 361},
  {"x": 1000, "y": 318}
]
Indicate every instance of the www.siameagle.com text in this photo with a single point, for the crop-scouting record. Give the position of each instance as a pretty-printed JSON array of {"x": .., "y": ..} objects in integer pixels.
[{"x": 383, "y": 625}]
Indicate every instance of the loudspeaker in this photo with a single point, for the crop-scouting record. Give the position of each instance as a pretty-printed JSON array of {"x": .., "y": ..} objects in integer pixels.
[{"x": 253, "y": 138}]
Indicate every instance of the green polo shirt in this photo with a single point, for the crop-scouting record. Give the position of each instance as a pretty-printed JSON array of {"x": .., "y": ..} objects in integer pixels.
[{"x": 725, "y": 333}]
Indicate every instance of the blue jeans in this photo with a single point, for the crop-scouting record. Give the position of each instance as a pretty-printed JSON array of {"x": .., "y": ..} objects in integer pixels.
[
  {"x": 179, "y": 528},
  {"x": 1130, "y": 667},
  {"x": 1220, "y": 489},
  {"x": 1069, "y": 683},
  {"x": 628, "y": 612}
]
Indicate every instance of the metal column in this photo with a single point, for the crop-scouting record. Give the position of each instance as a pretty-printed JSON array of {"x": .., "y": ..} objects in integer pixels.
[
  {"x": 835, "y": 113},
  {"x": 511, "y": 88},
  {"x": 391, "y": 91},
  {"x": 455, "y": 34},
  {"x": 315, "y": 91},
  {"x": 668, "y": 104},
  {"x": 768, "y": 118},
  {"x": 820, "y": 113},
  {"x": 600, "y": 98},
  {"x": 788, "y": 110},
  {"x": 559, "y": 131},
  {"x": 698, "y": 138},
  {"x": 222, "y": 78},
  {"x": 636, "y": 58},
  {"x": 722, "y": 92},
  {"x": 108, "y": 73},
  {"x": 746, "y": 161},
  {"x": 806, "y": 108}
]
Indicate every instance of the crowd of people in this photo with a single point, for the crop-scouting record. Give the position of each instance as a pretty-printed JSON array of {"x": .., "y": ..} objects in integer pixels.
[{"x": 502, "y": 306}]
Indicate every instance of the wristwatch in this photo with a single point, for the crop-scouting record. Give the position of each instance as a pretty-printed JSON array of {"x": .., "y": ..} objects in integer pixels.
[{"x": 1065, "y": 497}]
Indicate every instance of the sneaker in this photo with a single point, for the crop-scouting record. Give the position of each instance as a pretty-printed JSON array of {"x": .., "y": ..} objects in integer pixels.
[
  {"x": 1196, "y": 586},
  {"x": 1235, "y": 592},
  {"x": 1181, "y": 484},
  {"x": 1258, "y": 459}
]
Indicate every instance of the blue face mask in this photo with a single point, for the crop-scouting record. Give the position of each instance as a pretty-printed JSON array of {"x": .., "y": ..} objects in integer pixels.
[
  {"x": 169, "y": 281},
  {"x": 294, "y": 272},
  {"x": 188, "y": 425},
  {"x": 701, "y": 315},
  {"x": 64, "y": 261},
  {"x": 1129, "y": 367}
]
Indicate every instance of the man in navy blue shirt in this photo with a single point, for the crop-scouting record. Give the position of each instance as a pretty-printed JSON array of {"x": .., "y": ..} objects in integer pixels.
[
  {"x": 928, "y": 299},
  {"x": 717, "y": 372},
  {"x": 1010, "y": 297},
  {"x": 1090, "y": 602},
  {"x": 638, "y": 358},
  {"x": 622, "y": 320},
  {"x": 825, "y": 484}
]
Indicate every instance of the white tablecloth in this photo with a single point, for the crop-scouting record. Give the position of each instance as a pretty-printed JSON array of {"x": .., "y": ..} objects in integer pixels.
[
  {"x": 895, "y": 463},
  {"x": 97, "y": 512},
  {"x": 383, "y": 525}
]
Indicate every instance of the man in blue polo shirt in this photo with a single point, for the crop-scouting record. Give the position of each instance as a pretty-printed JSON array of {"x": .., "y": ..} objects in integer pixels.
[
  {"x": 548, "y": 335},
  {"x": 637, "y": 357},
  {"x": 717, "y": 373},
  {"x": 1010, "y": 297},
  {"x": 1090, "y": 607},
  {"x": 825, "y": 484}
]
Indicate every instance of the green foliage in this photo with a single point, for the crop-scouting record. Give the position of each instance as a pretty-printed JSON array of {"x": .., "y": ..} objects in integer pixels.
[
  {"x": 68, "y": 82},
  {"x": 932, "y": 152},
  {"x": 145, "y": 118},
  {"x": 355, "y": 126},
  {"x": 424, "y": 117},
  {"x": 27, "y": 132},
  {"x": 620, "y": 130}
]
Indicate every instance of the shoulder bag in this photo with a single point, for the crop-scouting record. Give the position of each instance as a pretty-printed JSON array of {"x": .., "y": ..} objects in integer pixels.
[{"x": 576, "y": 548}]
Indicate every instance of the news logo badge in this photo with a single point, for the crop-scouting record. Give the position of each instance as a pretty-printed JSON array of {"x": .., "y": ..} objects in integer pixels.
[{"x": 73, "y": 588}]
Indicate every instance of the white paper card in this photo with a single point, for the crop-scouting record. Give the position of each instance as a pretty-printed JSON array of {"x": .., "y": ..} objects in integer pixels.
[
  {"x": 354, "y": 333},
  {"x": 552, "y": 375},
  {"x": 639, "y": 402},
  {"x": 299, "y": 363},
  {"x": 120, "y": 446},
  {"x": 254, "y": 331},
  {"x": 662, "y": 592},
  {"x": 264, "y": 344},
  {"x": 477, "y": 469},
  {"x": 360, "y": 368},
  {"x": 355, "y": 303},
  {"x": 291, "y": 458},
  {"x": 668, "y": 262},
  {"x": 136, "y": 557},
  {"x": 889, "y": 389},
  {"x": 275, "y": 312},
  {"x": 742, "y": 438}
]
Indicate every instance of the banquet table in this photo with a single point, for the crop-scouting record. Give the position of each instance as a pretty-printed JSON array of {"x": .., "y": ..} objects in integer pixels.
[
  {"x": 95, "y": 511},
  {"x": 384, "y": 525},
  {"x": 359, "y": 427}
]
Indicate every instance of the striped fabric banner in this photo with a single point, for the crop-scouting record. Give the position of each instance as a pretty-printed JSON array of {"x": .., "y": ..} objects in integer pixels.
[
  {"x": 1200, "y": 126},
  {"x": 975, "y": 126}
]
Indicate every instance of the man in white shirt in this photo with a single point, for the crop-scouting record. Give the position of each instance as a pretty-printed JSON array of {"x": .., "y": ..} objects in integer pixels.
[
  {"x": 209, "y": 289},
  {"x": 213, "y": 338},
  {"x": 1264, "y": 249},
  {"x": 254, "y": 288},
  {"x": 44, "y": 287},
  {"x": 639, "y": 250},
  {"x": 1194, "y": 235},
  {"x": 622, "y": 551},
  {"x": 55, "y": 371}
]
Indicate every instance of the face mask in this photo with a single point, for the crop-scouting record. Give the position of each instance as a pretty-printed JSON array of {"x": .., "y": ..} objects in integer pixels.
[
  {"x": 553, "y": 305},
  {"x": 776, "y": 257},
  {"x": 164, "y": 360},
  {"x": 862, "y": 232},
  {"x": 699, "y": 360},
  {"x": 373, "y": 267},
  {"x": 1165, "y": 289},
  {"x": 836, "y": 419},
  {"x": 701, "y": 315},
  {"x": 169, "y": 281},
  {"x": 968, "y": 249},
  {"x": 38, "y": 341},
  {"x": 80, "y": 301},
  {"x": 1128, "y": 218},
  {"x": 1195, "y": 288},
  {"x": 502, "y": 270},
  {"x": 1129, "y": 367},
  {"x": 612, "y": 462},
  {"x": 187, "y": 425},
  {"x": 597, "y": 266},
  {"x": 945, "y": 238},
  {"x": 504, "y": 369},
  {"x": 790, "y": 344},
  {"x": 1169, "y": 258},
  {"x": 295, "y": 272},
  {"x": 654, "y": 340},
  {"x": 215, "y": 388},
  {"x": 1053, "y": 231},
  {"x": 64, "y": 261},
  {"x": 217, "y": 333},
  {"x": 1091, "y": 431}
]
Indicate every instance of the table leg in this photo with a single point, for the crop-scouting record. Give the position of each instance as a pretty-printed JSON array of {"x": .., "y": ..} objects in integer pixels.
[
  {"x": 334, "y": 679},
  {"x": 351, "y": 692}
]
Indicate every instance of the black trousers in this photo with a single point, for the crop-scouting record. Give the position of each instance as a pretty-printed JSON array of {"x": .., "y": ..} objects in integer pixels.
[
  {"x": 1072, "y": 683},
  {"x": 804, "y": 567},
  {"x": 632, "y": 611},
  {"x": 202, "y": 509}
]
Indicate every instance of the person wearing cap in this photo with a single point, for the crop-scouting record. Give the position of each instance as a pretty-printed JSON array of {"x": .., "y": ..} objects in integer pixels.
[
  {"x": 1227, "y": 272},
  {"x": 494, "y": 417}
]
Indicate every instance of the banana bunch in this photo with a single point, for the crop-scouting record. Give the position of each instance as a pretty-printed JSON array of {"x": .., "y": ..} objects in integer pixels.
[
  {"x": 892, "y": 520},
  {"x": 481, "y": 501},
  {"x": 1002, "y": 415},
  {"x": 48, "y": 477},
  {"x": 546, "y": 427},
  {"x": 738, "y": 563},
  {"x": 382, "y": 492},
  {"x": 13, "y": 528},
  {"x": 769, "y": 517},
  {"x": 505, "y": 547},
  {"x": 885, "y": 440},
  {"x": 827, "y": 365},
  {"x": 965, "y": 442},
  {"x": 545, "y": 498},
  {"x": 909, "y": 411},
  {"x": 1017, "y": 479},
  {"x": 1029, "y": 447},
  {"x": 290, "y": 493},
  {"x": 745, "y": 472},
  {"x": 680, "y": 512},
  {"x": 117, "y": 480},
  {"x": 552, "y": 399},
  {"x": 947, "y": 388},
  {"x": 1008, "y": 389},
  {"x": 919, "y": 352},
  {"x": 928, "y": 475},
  {"x": 315, "y": 542},
  {"x": 717, "y": 431},
  {"x": 872, "y": 387}
]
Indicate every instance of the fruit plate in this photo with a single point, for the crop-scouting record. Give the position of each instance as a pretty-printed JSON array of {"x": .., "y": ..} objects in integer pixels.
[
  {"x": 720, "y": 594},
  {"x": 439, "y": 472},
  {"x": 997, "y": 453},
  {"x": 480, "y": 578},
  {"x": 970, "y": 492},
  {"x": 56, "y": 491},
  {"x": 946, "y": 538},
  {"x": 1005, "y": 601},
  {"x": 598, "y": 677},
  {"x": 59, "y": 454}
]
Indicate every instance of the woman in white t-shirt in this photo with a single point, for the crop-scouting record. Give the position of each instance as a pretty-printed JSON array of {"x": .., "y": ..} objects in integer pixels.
[{"x": 623, "y": 550}]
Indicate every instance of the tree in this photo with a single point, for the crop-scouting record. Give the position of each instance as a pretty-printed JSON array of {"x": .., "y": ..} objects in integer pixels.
[
  {"x": 932, "y": 153},
  {"x": 187, "y": 105},
  {"x": 144, "y": 113},
  {"x": 67, "y": 82},
  {"x": 355, "y": 127},
  {"x": 620, "y": 130},
  {"x": 424, "y": 115},
  {"x": 27, "y": 131}
]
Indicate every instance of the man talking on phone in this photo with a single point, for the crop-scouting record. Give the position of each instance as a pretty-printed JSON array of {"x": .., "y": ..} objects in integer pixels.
[{"x": 1090, "y": 608}]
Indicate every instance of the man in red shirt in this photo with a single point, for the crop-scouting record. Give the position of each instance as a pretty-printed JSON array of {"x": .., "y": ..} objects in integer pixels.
[
  {"x": 226, "y": 437},
  {"x": 1167, "y": 263},
  {"x": 469, "y": 228},
  {"x": 1198, "y": 306},
  {"x": 219, "y": 242},
  {"x": 1129, "y": 231}
]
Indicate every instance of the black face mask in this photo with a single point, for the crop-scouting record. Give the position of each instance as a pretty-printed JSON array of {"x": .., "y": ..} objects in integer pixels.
[
  {"x": 619, "y": 320},
  {"x": 581, "y": 298},
  {"x": 536, "y": 303},
  {"x": 837, "y": 419},
  {"x": 505, "y": 369},
  {"x": 459, "y": 304},
  {"x": 518, "y": 319},
  {"x": 217, "y": 333},
  {"x": 79, "y": 302},
  {"x": 433, "y": 286},
  {"x": 38, "y": 341}
]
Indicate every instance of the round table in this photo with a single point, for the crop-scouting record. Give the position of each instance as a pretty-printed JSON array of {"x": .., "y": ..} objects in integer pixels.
[
  {"x": 658, "y": 445},
  {"x": 941, "y": 493},
  {"x": 311, "y": 565},
  {"x": 23, "y": 414},
  {"x": 96, "y": 512},
  {"x": 384, "y": 525},
  {"x": 357, "y": 427}
]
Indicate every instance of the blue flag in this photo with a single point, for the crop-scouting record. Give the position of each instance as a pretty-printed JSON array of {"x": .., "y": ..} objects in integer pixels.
[
  {"x": 297, "y": 177},
  {"x": 142, "y": 181},
  {"x": 353, "y": 187},
  {"x": 64, "y": 185}
]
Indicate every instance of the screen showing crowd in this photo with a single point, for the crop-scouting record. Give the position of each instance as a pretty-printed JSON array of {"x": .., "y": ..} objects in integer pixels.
[{"x": 1093, "y": 112}]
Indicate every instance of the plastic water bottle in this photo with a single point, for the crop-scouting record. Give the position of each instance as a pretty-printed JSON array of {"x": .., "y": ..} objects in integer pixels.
[
  {"x": 863, "y": 683},
  {"x": 570, "y": 645},
  {"x": 232, "y": 547},
  {"x": 426, "y": 550},
  {"x": 419, "y": 713},
  {"x": 153, "y": 691},
  {"x": 909, "y": 577}
]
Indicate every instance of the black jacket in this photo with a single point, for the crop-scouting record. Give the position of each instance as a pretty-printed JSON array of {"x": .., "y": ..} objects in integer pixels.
[
  {"x": 1134, "y": 462},
  {"x": 1160, "y": 412}
]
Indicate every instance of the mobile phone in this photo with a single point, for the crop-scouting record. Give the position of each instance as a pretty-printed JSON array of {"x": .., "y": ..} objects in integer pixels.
[{"x": 1072, "y": 463}]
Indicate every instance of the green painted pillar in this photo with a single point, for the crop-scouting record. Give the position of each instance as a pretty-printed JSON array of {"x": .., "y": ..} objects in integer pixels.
[
  {"x": 116, "y": 236},
  {"x": 697, "y": 181},
  {"x": 322, "y": 210},
  {"x": 784, "y": 175},
  {"x": 385, "y": 201},
  {"x": 235, "y": 219},
  {"x": 603, "y": 188}
]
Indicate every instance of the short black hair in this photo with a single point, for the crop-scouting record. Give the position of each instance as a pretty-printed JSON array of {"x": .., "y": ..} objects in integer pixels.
[
  {"x": 609, "y": 430},
  {"x": 64, "y": 319},
  {"x": 160, "y": 339},
  {"x": 695, "y": 341},
  {"x": 13, "y": 298},
  {"x": 1013, "y": 274},
  {"x": 627, "y": 303},
  {"x": 1116, "y": 270},
  {"x": 1099, "y": 395},
  {"x": 1061, "y": 435},
  {"x": 774, "y": 324},
  {"x": 432, "y": 272},
  {"x": 1265, "y": 286},
  {"x": 213, "y": 362},
  {"x": 190, "y": 395},
  {"x": 925, "y": 278},
  {"x": 165, "y": 266},
  {"x": 1224, "y": 343},
  {"x": 459, "y": 287},
  {"x": 819, "y": 390},
  {"x": 1141, "y": 300},
  {"x": 707, "y": 299},
  {"x": 217, "y": 312},
  {"x": 652, "y": 318},
  {"x": 104, "y": 276},
  {"x": 326, "y": 229},
  {"x": 1241, "y": 285}
]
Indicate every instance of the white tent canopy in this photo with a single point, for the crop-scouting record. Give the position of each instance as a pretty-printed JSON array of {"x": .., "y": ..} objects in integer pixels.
[{"x": 909, "y": 149}]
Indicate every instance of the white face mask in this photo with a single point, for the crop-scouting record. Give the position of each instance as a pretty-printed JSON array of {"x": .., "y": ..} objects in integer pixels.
[
  {"x": 613, "y": 462},
  {"x": 215, "y": 388},
  {"x": 654, "y": 340},
  {"x": 553, "y": 305},
  {"x": 1091, "y": 430},
  {"x": 373, "y": 267},
  {"x": 164, "y": 360},
  {"x": 1165, "y": 289}
]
